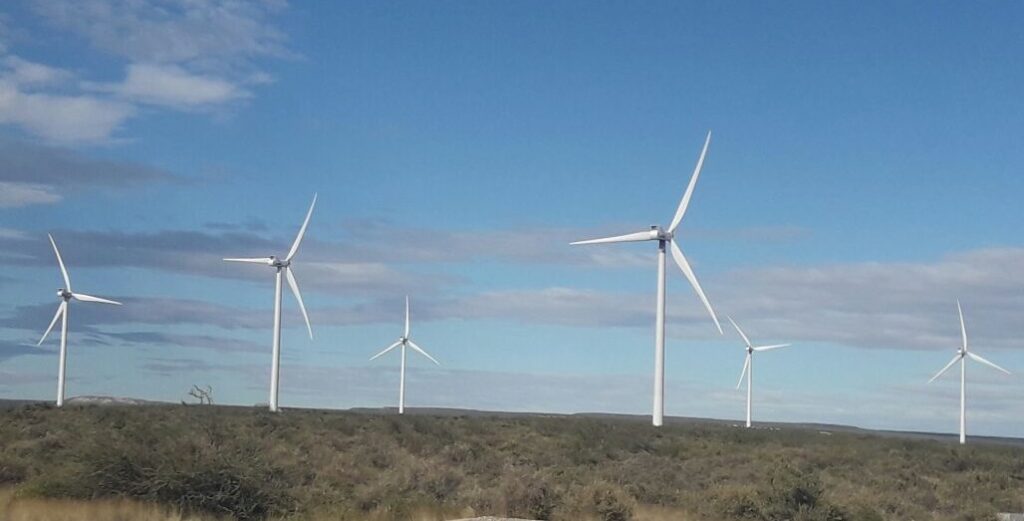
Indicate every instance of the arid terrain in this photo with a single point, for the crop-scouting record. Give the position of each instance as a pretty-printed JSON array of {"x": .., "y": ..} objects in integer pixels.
[{"x": 176, "y": 462}]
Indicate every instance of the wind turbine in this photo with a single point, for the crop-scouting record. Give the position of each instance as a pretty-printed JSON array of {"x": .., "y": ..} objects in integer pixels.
[
  {"x": 404, "y": 341},
  {"x": 66, "y": 295},
  {"x": 962, "y": 355},
  {"x": 282, "y": 266},
  {"x": 667, "y": 237},
  {"x": 748, "y": 365}
]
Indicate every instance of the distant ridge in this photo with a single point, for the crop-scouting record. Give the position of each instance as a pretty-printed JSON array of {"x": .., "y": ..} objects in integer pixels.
[
  {"x": 110, "y": 400},
  {"x": 823, "y": 428}
]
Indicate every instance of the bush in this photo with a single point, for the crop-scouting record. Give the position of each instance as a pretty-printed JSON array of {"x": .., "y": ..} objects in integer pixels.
[
  {"x": 250, "y": 464},
  {"x": 12, "y": 472},
  {"x": 786, "y": 494},
  {"x": 789, "y": 492},
  {"x": 238, "y": 483},
  {"x": 527, "y": 495},
  {"x": 602, "y": 501},
  {"x": 734, "y": 503}
]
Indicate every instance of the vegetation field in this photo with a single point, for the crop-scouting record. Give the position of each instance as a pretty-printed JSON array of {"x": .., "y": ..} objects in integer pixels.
[{"x": 164, "y": 463}]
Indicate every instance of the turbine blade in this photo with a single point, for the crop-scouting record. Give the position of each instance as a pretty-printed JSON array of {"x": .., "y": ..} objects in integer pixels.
[
  {"x": 944, "y": 369},
  {"x": 386, "y": 349},
  {"x": 302, "y": 232},
  {"x": 422, "y": 352},
  {"x": 685, "y": 266},
  {"x": 60, "y": 261},
  {"x": 89, "y": 298},
  {"x": 252, "y": 260},
  {"x": 406, "y": 335},
  {"x": 740, "y": 331},
  {"x": 298, "y": 297},
  {"x": 963, "y": 328},
  {"x": 746, "y": 365},
  {"x": 773, "y": 346},
  {"x": 60, "y": 311},
  {"x": 689, "y": 188},
  {"x": 629, "y": 237},
  {"x": 978, "y": 358}
]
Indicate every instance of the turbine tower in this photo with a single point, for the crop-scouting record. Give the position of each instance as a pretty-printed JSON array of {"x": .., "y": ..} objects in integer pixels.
[
  {"x": 282, "y": 266},
  {"x": 666, "y": 238},
  {"x": 962, "y": 355},
  {"x": 404, "y": 341},
  {"x": 748, "y": 365},
  {"x": 66, "y": 296}
]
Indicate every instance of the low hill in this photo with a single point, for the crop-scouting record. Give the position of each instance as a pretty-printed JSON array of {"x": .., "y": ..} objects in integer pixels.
[{"x": 247, "y": 463}]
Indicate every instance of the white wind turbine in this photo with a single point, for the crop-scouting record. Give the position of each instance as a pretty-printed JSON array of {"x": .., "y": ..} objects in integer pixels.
[
  {"x": 66, "y": 295},
  {"x": 404, "y": 341},
  {"x": 748, "y": 365},
  {"x": 962, "y": 355},
  {"x": 667, "y": 237},
  {"x": 282, "y": 266}
]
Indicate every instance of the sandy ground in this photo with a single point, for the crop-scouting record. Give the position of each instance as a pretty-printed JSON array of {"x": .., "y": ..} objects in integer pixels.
[{"x": 489, "y": 518}]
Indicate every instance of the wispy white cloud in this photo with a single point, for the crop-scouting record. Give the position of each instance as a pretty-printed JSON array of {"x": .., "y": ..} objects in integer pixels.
[
  {"x": 376, "y": 240},
  {"x": 885, "y": 304},
  {"x": 180, "y": 55},
  {"x": 12, "y": 234},
  {"x": 33, "y": 174},
  {"x": 900, "y": 305},
  {"x": 62, "y": 118},
  {"x": 14, "y": 195},
  {"x": 30, "y": 74},
  {"x": 174, "y": 87},
  {"x": 210, "y": 34},
  {"x": 58, "y": 115}
]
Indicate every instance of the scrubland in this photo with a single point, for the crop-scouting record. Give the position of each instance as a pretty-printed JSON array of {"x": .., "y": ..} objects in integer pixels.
[{"x": 206, "y": 463}]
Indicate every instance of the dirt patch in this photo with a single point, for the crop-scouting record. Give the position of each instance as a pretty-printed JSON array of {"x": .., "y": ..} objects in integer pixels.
[{"x": 489, "y": 518}]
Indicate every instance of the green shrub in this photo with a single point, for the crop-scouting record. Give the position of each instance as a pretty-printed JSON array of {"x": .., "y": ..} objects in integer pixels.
[
  {"x": 249, "y": 464},
  {"x": 197, "y": 478},
  {"x": 786, "y": 494},
  {"x": 601, "y": 501},
  {"x": 527, "y": 495},
  {"x": 12, "y": 471}
]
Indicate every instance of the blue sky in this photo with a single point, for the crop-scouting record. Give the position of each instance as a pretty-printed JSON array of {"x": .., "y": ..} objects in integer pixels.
[{"x": 864, "y": 172}]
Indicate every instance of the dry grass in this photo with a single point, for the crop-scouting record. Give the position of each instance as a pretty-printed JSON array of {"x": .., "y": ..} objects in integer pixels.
[
  {"x": 656, "y": 513},
  {"x": 339, "y": 466},
  {"x": 20, "y": 509},
  {"x": 425, "y": 513}
]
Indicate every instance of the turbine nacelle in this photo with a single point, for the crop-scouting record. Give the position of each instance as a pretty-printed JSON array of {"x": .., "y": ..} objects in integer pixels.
[
  {"x": 63, "y": 293},
  {"x": 657, "y": 234}
]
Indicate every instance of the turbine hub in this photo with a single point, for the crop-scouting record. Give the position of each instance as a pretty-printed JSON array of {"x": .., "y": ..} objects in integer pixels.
[
  {"x": 278, "y": 263},
  {"x": 658, "y": 234},
  {"x": 63, "y": 293}
]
